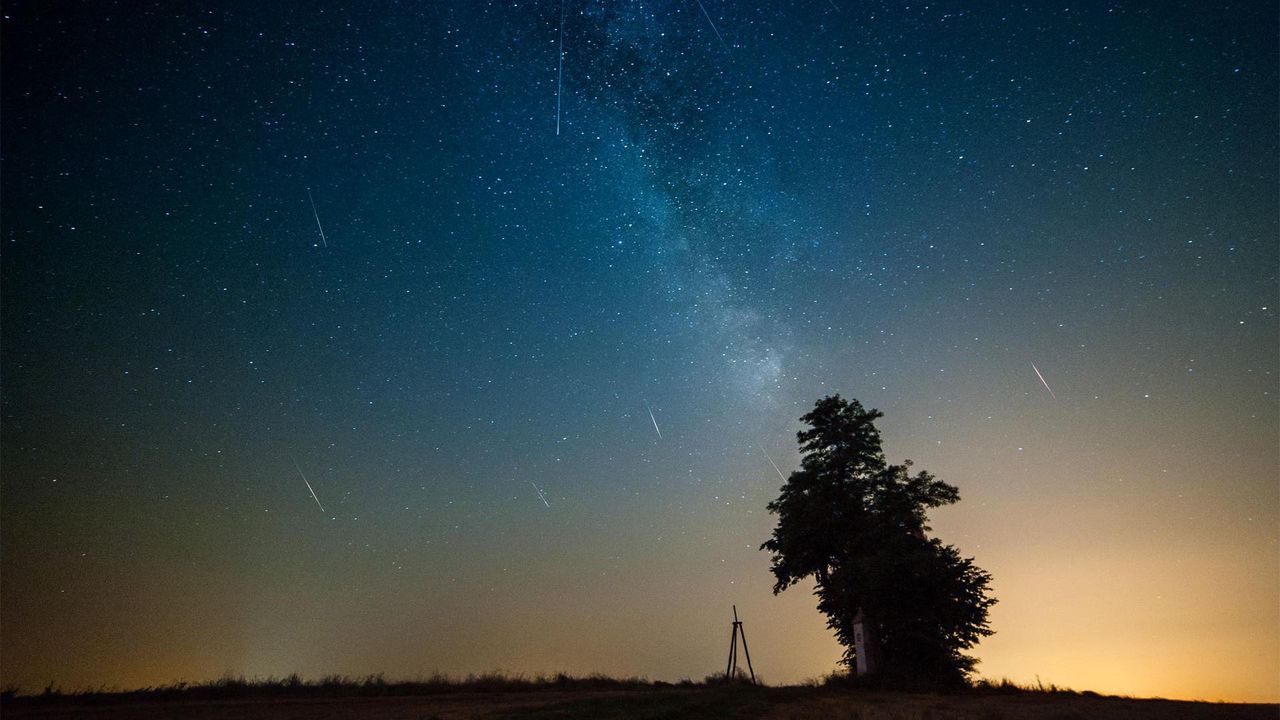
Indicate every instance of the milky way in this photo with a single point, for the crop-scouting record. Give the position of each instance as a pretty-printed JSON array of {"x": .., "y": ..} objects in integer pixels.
[{"x": 554, "y": 221}]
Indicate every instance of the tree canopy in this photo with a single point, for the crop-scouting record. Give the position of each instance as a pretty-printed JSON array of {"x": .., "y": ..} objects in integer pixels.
[{"x": 858, "y": 526}]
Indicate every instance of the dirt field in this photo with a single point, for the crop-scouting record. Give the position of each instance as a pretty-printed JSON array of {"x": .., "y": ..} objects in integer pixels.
[{"x": 699, "y": 702}]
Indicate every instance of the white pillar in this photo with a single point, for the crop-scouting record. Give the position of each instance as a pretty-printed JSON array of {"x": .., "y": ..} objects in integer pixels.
[{"x": 865, "y": 650}]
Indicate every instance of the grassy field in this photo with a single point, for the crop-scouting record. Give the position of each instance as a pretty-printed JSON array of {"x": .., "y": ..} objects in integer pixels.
[{"x": 498, "y": 698}]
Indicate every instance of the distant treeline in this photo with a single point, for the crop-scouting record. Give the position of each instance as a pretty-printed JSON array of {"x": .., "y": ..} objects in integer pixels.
[
  {"x": 238, "y": 686},
  {"x": 329, "y": 686}
]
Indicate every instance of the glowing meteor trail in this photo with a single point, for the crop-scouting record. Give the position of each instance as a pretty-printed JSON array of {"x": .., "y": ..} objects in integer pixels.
[
  {"x": 1042, "y": 382},
  {"x": 317, "y": 215},
  {"x": 560, "y": 68},
  {"x": 655, "y": 420},
  {"x": 771, "y": 462},
  {"x": 541, "y": 497},
  {"x": 313, "y": 492},
  {"x": 713, "y": 25}
]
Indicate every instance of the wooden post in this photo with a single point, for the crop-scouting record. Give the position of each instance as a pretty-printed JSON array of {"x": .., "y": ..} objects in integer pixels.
[
  {"x": 731, "y": 668},
  {"x": 733, "y": 653},
  {"x": 747, "y": 653}
]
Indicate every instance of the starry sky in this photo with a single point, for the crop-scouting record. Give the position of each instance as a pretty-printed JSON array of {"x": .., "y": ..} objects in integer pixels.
[{"x": 532, "y": 295}]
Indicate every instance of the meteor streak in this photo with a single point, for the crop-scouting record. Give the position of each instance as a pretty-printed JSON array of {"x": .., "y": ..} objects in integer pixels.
[
  {"x": 713, "y": 25},
  {"x": 560, "y": 68},
  {"x": 541, "y": 497},
  {"x": 771, "y": 462},
  {"x": 317, "y": 215},
  {"x": 655, "y": 420},
  {"x": 313, "y": 492},
  {"x": 1042, "y": 382}
]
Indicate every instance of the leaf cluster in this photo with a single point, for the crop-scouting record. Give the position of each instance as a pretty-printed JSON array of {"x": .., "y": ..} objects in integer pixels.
[{"x": 858, "y": 526}]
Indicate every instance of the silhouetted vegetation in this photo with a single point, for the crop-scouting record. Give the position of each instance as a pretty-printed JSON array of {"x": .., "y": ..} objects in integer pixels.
[
  {"x": 595, "y": 697},
  {"x": 857, "y": 526},
  {"x": 237, "y": 686}
]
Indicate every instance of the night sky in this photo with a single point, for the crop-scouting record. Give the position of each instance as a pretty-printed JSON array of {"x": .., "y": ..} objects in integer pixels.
[{"x": 557, "y": 326}]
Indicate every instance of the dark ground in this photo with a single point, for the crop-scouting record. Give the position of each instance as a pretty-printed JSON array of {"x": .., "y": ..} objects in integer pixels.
[{"x": 787, "y": 703}]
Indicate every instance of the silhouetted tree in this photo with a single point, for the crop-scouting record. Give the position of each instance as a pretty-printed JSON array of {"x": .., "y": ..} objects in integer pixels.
[{"x": 857, "y": 526}]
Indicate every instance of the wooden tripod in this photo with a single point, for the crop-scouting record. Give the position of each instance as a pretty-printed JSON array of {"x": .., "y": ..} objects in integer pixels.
[{"x": 731, "y": 669}]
